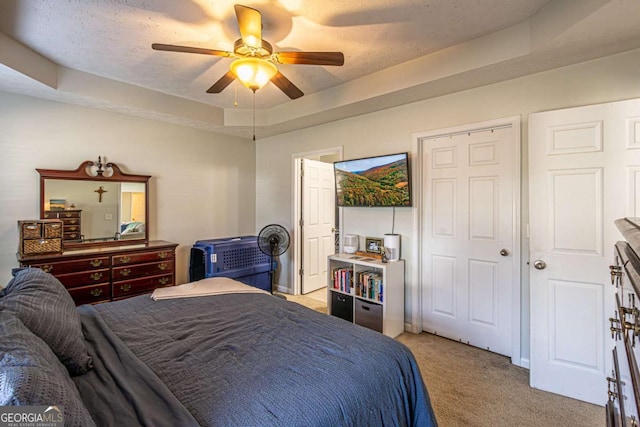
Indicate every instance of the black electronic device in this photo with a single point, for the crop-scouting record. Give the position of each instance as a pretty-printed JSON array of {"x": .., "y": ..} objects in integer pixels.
[{"x": 273, "y": 240}]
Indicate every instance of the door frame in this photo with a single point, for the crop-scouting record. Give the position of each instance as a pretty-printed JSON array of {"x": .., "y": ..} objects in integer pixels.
[
  {"x": 418, "y": 175},
  {"x": 296, "y": 208}
]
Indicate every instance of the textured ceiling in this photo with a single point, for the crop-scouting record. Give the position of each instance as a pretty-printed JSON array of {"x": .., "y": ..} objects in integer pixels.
[{"x": 98, "y": 53}]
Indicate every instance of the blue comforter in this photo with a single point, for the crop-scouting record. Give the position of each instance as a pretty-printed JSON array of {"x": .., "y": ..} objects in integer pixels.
[{"x": 249, "y": 360}]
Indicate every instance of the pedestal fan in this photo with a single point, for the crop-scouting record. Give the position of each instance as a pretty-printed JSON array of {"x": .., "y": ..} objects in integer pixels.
[{"x": 273, "y": 240}]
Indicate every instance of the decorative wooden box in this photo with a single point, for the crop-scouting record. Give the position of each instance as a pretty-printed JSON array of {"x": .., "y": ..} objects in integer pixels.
[{"x": 43, "y": 236}]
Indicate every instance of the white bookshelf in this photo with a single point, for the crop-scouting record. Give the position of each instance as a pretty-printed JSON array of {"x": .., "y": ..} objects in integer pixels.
[{"x": 367, "y": 311}]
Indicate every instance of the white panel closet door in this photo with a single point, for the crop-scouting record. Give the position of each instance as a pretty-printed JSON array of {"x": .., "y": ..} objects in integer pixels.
[
  {"x": 318, "y": 222},
  {"x": 468, "y": 222},
  {"x": 583, "y": 165}
]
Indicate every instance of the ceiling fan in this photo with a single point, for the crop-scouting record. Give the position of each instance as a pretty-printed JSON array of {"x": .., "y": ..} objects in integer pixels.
[{"x": 255, "y": 62}]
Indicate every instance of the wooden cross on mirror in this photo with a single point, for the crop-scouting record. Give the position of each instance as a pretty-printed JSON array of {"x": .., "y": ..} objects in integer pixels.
[{"x": 100, "y": 191}]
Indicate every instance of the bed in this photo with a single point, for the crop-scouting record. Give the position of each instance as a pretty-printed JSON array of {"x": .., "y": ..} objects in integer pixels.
[
  {"x": 132, "y": 230},
  {"x": 230, "y": 358}
]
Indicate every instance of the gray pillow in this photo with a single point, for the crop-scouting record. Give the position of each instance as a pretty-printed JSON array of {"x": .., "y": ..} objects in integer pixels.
[
  {"x": 30, "y": 374},
  {"x": 43, "y": 304}
]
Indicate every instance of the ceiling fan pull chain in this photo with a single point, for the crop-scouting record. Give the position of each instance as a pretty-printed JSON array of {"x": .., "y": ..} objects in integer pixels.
[{"x": 235, "y": 94}]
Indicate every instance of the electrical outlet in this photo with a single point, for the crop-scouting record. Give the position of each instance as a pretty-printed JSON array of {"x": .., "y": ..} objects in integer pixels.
[{"x": 108, "y": 217}]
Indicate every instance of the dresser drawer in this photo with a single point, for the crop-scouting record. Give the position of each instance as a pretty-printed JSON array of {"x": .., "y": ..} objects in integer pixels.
[
  {"x": 142, "y": 270},
  {"x": 63, "y": 215},
  {"x": 138, "y": 286},
  {"x": 72, "y": 236},
  {"x": 139, "y": 257},
  {"x": 91, "y": 294},
  {"x": 71, "y": 228},
  {"x": 71, "y": 222},
  {"x": 95, "y": 275},
  {"x": 68, "y": 216},
  {"x": 56, "y": 268},
  {"x": 84, "y": 278}
]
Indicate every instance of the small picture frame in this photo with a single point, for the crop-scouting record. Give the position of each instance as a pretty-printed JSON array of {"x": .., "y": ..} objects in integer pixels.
[{"x": 373, "y": 245}]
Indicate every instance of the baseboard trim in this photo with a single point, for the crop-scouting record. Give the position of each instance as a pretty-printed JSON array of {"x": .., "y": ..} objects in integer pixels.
[
  {"x": 408, "y": 327},
  {"x": 283, "y": 289}
]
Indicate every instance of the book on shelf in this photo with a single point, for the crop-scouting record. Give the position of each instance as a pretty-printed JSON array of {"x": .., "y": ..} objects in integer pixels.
[
  {"x": 343, "y": 279},
  {"x": 369, "y": 285}
]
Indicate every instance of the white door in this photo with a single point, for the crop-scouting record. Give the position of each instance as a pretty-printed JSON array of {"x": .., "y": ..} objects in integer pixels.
[
  {"x": 470, "y": 238},
  {"x": 584, "y": 168},
  {"x": 318, "y": 223}
]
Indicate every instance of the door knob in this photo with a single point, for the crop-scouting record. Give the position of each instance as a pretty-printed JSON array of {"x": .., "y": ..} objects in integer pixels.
[
  {"x": 539, "y": 264},
  {"x": 504, "y": 252}
]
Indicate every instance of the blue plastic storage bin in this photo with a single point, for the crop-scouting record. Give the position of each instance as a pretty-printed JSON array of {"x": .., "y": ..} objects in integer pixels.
[{"x": 239, "y": 258}]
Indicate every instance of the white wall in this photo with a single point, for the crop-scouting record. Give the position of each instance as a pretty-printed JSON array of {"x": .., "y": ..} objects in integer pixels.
[
  {"x": 202, "y": 184},
  {"x": 608, "y": 79}
]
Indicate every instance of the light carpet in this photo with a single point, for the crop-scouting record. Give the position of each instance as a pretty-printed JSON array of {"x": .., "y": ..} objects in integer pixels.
[{"x": 472, "y": 387}]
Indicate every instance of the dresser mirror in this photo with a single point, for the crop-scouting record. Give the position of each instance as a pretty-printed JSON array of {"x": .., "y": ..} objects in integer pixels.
[{"x": 98, "y": 204}]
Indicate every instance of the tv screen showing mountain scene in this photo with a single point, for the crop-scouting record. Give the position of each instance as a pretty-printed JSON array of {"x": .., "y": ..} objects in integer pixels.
[{"x": 373, "y": 181}]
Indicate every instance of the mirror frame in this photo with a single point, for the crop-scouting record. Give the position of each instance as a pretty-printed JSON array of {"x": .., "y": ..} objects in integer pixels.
[{"x": 82, "y": 173}]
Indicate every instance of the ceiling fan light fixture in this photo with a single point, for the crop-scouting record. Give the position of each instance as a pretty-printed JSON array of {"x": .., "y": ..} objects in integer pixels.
[
  {"x": 253, "y": 72},
  {"x": 253, "y": 42}
]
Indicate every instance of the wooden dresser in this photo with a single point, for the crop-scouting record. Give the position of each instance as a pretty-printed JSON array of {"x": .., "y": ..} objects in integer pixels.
[
  {"x": 623, "y": 404},
  {"x": 72, "y": 220},
  {"x": 110, "y": 273}
]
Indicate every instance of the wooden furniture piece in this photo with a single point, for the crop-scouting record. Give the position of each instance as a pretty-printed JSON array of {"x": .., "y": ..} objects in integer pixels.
[
  {"x": 39, "y": 237},
  {"x": 623, "y": 391},
  {"x": 110, "y": 273},
  {"x": 367, "y": 292},
  {"x": 103, "y": 197},
  {"x": 72, "y": 219}
]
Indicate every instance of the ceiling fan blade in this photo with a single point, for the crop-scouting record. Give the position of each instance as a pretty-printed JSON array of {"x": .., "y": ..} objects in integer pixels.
[
  {"x": 285, "y": 85},
  {"x": 221, "y": 84},
  {"x": 309, "y": 58},
  {"x": 189, "y": 49},
  {"x": 250, "y": 25}
]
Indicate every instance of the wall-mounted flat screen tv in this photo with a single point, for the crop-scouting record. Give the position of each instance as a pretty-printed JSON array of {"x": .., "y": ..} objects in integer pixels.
[{"x": 374, "y": 181}]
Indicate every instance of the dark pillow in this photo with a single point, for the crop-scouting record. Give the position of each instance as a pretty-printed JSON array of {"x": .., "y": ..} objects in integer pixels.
[
  {"x": 30, "y": 374},
  {"x": 42, "y": 303}
]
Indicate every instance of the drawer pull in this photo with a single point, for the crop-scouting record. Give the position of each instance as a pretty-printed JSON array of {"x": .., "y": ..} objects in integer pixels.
[
  {"x": 163, "y": 254},
  {"x": 125, "y": 259},
  {"x": 125, "y": 288},
  {"x": 163, "y": 280},
  {"x": 47, "y": 268},
  {"x": 32, "y": 227},
  {"x": 72, "y": 235},
  {"x": 96, "y": 262},
  {"x": 616, "y": 273},
  {"x": 73, "y": 228},
  {"x": 125, "y": 272},
  {"x": 96, "y": 276},
  {"x": 163, "y": 266},
  {"x": 73, "y": 221},
  {"x": 96, "y": 292}
]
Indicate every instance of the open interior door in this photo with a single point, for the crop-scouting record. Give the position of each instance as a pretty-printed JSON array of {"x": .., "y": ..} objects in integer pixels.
[{"x": 318, "y": 223}]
